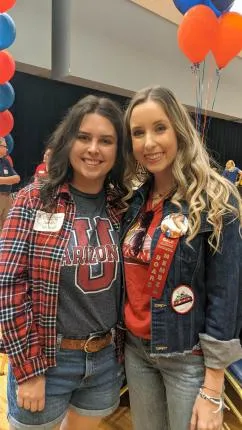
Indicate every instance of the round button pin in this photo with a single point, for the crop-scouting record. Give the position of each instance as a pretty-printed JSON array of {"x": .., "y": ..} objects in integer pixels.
[
  {"x": 182, "y": 299},
  {"x": 174, "y": 225}
]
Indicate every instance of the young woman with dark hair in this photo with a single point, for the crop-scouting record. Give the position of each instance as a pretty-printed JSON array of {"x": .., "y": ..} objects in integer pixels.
[{"x": 60, "y": 277}]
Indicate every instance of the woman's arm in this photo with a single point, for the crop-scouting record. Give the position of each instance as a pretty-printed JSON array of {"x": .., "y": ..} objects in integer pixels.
[
  {"x": 213, "y": 382},
  {"x": 220, "y": 341},
  {"x": 207, "y": 415},
  {"x": 20, "y": 337}
]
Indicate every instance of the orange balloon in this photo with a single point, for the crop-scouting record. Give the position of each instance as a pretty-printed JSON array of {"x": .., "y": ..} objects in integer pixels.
[
  {"x": 196, "y": 32},
  {"x": 228, "y": 41},
  {"x": 6, "y": 4}
]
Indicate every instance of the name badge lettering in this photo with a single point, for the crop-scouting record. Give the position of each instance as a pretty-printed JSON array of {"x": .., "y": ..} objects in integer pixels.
[{"x": 48, "y": 222}]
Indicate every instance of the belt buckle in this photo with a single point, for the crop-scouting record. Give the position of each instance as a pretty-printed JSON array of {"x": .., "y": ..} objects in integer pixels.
[{"x": 92, "y": 337}]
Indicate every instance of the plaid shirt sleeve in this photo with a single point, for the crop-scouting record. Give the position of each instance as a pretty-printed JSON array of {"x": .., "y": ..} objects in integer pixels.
[{"x": 19, "y": 334}]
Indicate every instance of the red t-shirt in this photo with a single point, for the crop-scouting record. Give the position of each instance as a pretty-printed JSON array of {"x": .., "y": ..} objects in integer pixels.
[{"x": 137, "y": 307}]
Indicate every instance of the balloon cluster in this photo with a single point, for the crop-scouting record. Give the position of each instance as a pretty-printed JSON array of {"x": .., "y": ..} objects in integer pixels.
[
  {"x": 7, "y": 70},
  {"x": 208, "y": 25}
]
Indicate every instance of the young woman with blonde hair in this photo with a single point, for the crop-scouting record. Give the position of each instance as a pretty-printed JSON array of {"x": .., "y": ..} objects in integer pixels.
[{"x": 183, "y": 295}]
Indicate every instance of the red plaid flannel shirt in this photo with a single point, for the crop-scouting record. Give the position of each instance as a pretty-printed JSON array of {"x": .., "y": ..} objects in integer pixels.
[{"x": 30, "y": 263}]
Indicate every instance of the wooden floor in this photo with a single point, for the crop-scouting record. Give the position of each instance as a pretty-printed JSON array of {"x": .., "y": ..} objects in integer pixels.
[{"x": 120, "y": 420}]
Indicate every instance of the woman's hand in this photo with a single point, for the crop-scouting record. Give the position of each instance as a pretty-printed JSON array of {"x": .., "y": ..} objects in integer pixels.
[
  {"x": 31, "y": 394},
  {"x": 203, "y": 417}
]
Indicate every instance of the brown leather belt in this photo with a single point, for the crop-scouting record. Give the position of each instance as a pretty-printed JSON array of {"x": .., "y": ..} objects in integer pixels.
[
  {"x": 4, "y": 193},
  {"x": 92, "y": 344}
]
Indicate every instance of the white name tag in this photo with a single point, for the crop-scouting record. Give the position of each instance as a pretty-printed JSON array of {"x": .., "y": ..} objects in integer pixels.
[
  {"x": 5, "y": 171},
  {"x": 48, "y": 222}
]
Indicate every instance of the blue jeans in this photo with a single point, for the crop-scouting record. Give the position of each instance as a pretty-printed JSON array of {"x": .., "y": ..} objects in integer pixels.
[
  {"x": 162, "y": 389},
  {"x": 89, "y": 383}
]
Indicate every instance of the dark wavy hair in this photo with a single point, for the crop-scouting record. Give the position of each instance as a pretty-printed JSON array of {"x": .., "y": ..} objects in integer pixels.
[{"x": 61, "y": 141}]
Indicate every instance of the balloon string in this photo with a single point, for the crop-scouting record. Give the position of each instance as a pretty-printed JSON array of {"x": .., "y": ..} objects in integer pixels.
[
  {"x": 208, "y": 97},
  {"x": 194, "y": 69},
  {"x": 218, "y": 73},
  {"x": 198, "y": 101},
  {"x": 202, "y": 81},
  {"x": 200, "y": 96}
]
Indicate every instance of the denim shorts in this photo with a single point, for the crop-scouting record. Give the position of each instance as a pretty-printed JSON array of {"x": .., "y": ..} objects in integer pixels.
[{"x": 89, "y": 383}]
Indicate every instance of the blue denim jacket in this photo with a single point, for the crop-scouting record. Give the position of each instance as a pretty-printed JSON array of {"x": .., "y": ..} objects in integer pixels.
[{"x": 214, "y": 322}]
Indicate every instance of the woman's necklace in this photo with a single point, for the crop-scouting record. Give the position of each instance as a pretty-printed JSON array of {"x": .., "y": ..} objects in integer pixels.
[
  {"x": 164, "y": 194},
  {"x": 157, "y": 198}
]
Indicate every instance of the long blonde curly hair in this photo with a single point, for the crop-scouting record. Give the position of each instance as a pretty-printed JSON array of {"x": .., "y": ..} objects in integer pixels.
[{"x": 197, "y": 182}]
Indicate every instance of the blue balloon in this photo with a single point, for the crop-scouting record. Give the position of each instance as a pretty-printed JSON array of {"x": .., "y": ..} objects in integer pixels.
[
  {"x": 7, "y": 96},
  {"x": 218, "y": 6},
  {"x": 222, "y": 5},
  {"x": 184, "y": 5},
  {"x": 9, "y": 142},
  {"x": 7, "y": 31}
]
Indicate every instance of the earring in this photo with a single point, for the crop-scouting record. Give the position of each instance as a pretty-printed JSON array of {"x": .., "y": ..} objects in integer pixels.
[{"x": 140, "y": 170}]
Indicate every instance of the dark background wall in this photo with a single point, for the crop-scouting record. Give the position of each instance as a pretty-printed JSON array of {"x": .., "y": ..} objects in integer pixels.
[{"x": 41, "y": 103}]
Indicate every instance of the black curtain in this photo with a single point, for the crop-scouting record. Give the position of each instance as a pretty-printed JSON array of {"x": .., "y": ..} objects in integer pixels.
[
  {"x": 41, "y": 103},
  {"x": 39, "y": 106},
  {"x": 224, "y": 141}
]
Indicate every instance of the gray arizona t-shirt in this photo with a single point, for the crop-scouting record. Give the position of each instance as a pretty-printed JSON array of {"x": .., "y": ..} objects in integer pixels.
[{"x": 90, "y": 279}]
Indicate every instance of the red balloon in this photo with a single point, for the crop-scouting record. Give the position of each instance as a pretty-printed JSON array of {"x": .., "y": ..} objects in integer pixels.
[
  {"x": 6, "y": 122},
  {"x": 196, "y": 32},
  {"x": 6, "y": 5},
  {"x": 7, "y": 66},
  {"x": 228, "y": 41}
]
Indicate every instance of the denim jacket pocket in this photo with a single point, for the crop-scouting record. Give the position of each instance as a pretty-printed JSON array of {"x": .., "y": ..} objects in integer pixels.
[
  {"x": 190, "y": 255},
  {"x": 190, "y": 251}
]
